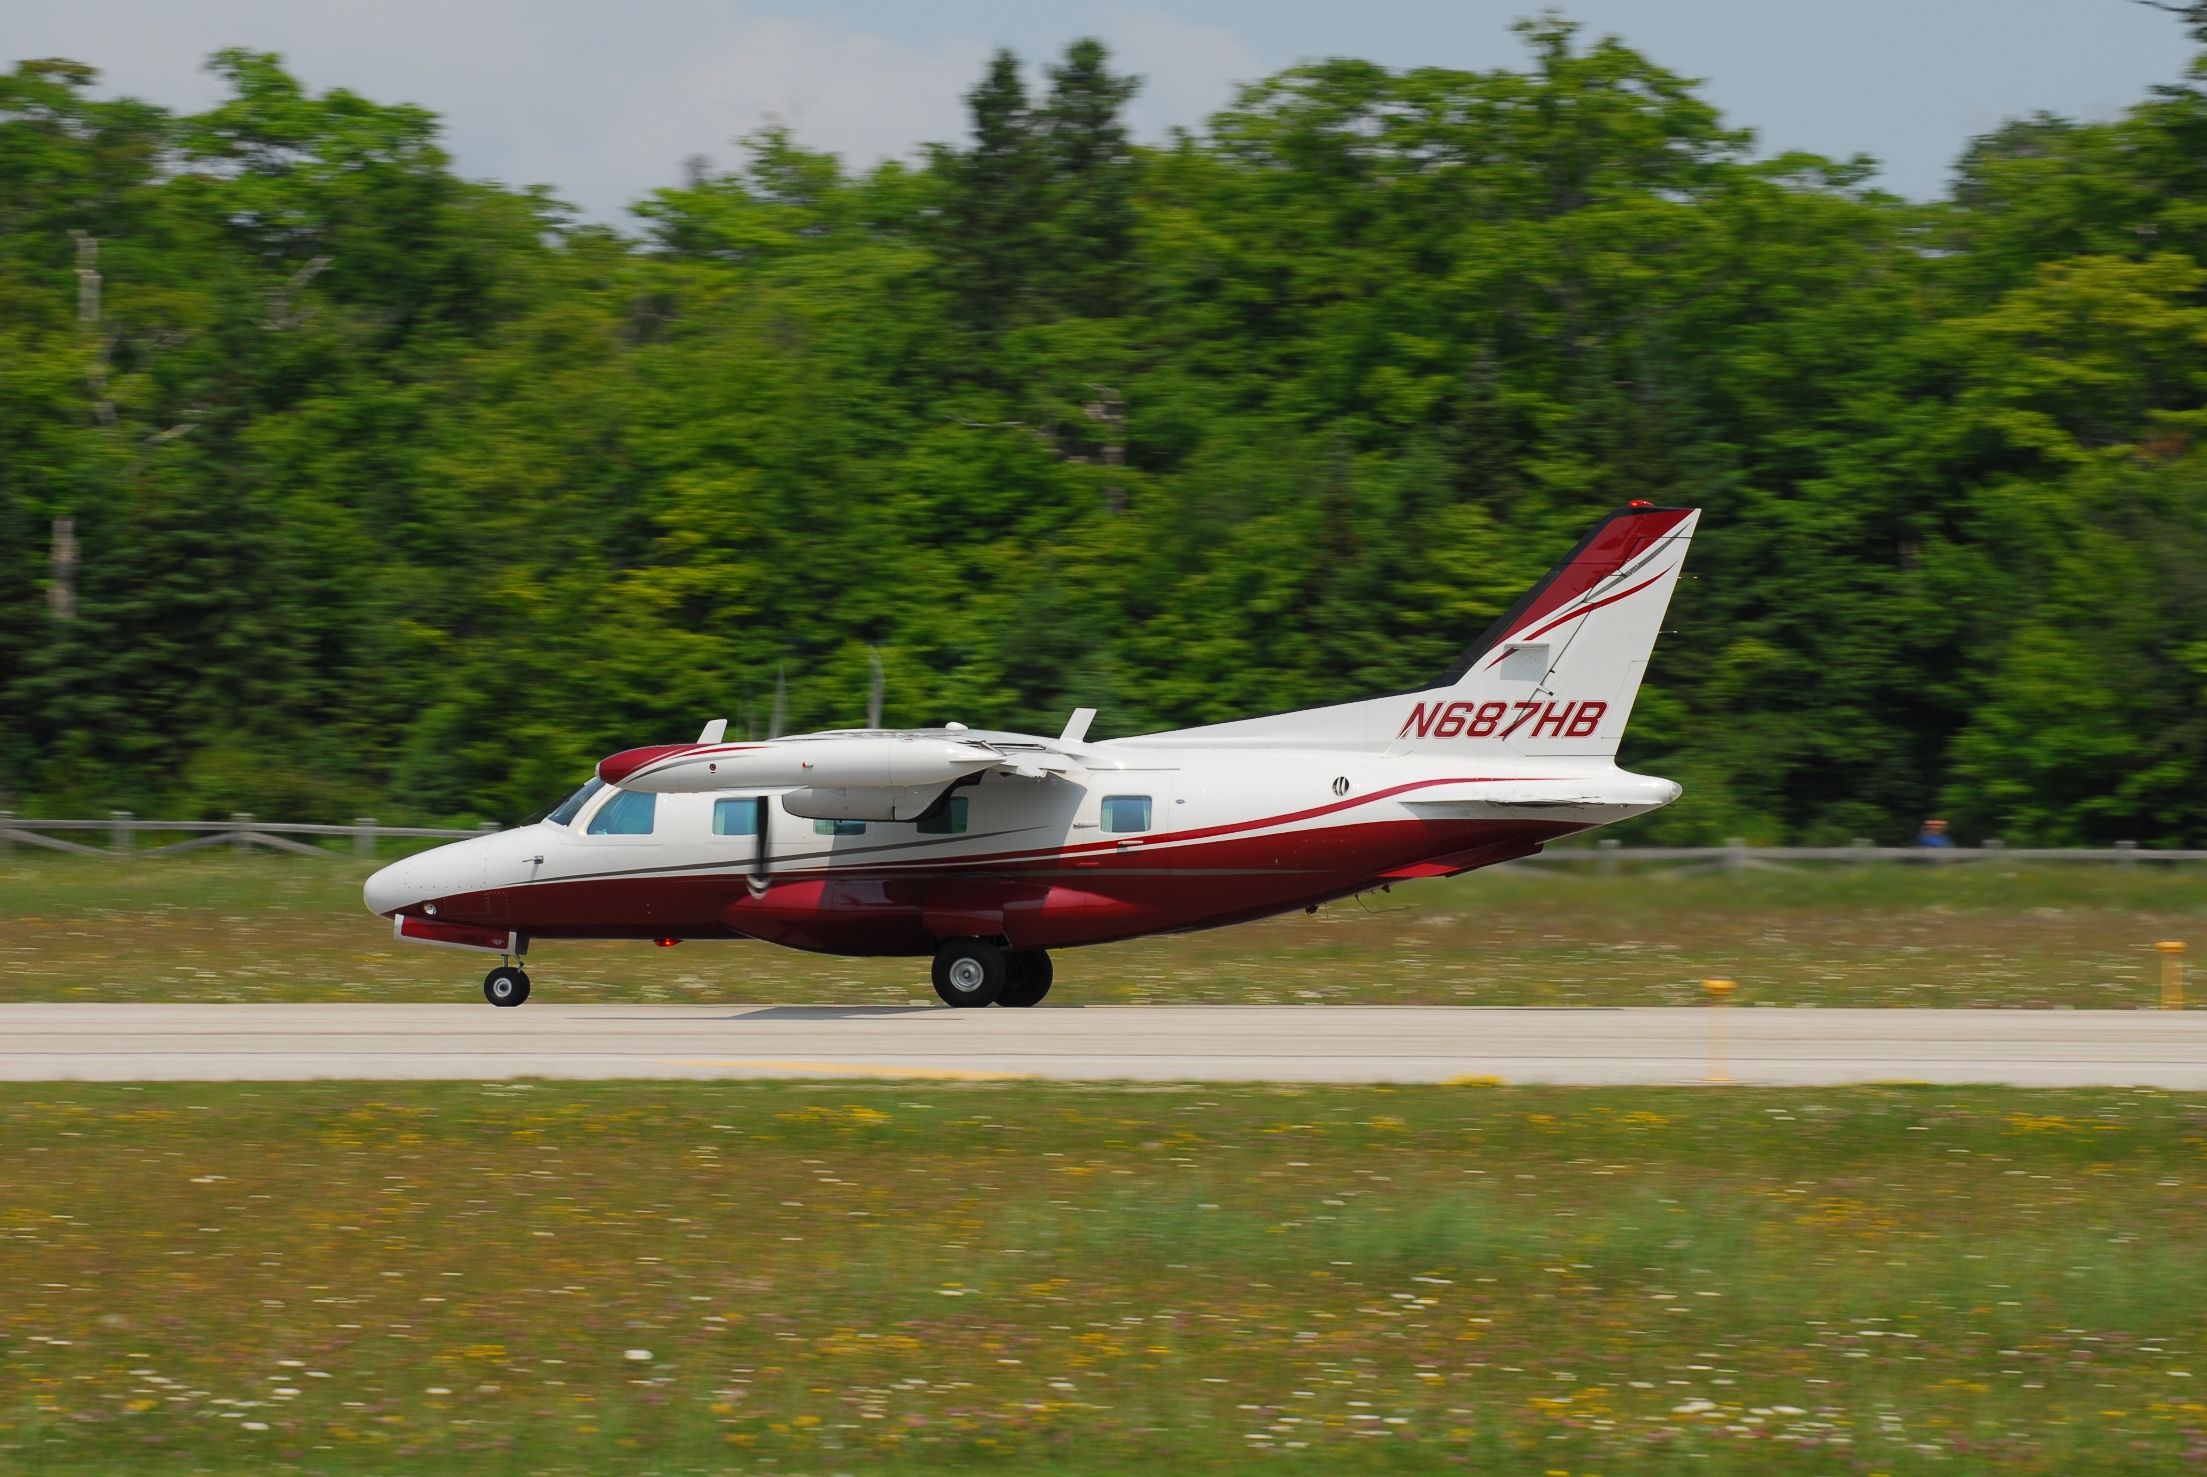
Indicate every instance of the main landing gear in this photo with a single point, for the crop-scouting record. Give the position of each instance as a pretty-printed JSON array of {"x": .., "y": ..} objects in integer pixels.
[
  {"x": 976, "y": 972},
  {"x": 508, "y": 984}
]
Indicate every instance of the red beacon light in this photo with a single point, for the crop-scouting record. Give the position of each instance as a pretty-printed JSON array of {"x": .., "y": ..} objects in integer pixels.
[
  {"x": 666, "y": 941},
  {"x": 1639, "y": 502}
]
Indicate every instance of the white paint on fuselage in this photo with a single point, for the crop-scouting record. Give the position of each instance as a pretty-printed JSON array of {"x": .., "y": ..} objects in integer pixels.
[{"x": 1257, "y": 792}]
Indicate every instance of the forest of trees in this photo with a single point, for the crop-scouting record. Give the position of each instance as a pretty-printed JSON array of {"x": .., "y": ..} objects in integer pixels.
[{"x": 333, "y": 482}]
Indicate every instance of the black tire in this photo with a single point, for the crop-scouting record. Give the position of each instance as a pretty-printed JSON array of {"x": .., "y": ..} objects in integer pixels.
[
  {"x": 1031, "y": 973},
  {"x": 506, "y": 986},
  {"x": 970, "y": 972}
]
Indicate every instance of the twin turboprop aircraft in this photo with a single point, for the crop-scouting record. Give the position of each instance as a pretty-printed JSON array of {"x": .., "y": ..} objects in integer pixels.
[{"x": 987, "y": 850}]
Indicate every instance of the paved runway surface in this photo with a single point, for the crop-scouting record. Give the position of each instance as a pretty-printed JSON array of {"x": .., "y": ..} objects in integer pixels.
[{"x": 49, "y": 1042}]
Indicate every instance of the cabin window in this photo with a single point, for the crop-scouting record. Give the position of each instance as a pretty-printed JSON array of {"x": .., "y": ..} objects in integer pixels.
[
  {"x": 950, "y": 821},
  {"x": 739, "y": 817},
  {"x": 839, "y": 828},
  {"x": 1122, "y": 813},
  {"x": 629, "y": 813},
  {"x": 572, "y": 806}
]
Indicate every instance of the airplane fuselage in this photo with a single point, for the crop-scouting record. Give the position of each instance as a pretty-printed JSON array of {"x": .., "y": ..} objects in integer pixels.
[{"x": 1136, "y": 839}]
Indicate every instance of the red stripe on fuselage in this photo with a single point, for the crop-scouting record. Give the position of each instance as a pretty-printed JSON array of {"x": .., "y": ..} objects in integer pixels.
[
  {"x": 1147, "y": 841},
  {"x": 1055, "y": 903}
]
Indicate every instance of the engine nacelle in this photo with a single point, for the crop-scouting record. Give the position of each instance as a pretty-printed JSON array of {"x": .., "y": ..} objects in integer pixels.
[
  {"x": 861, "y": 803},
  {"x": 896, "y": 761}
]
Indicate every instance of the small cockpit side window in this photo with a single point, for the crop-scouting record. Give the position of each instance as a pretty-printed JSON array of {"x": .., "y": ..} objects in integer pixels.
[
  {"x": 629, "y": 813},
  {"x": 736, "y": 817},
  {"x": 566, "y": 811},
  {"x": 1124, "y": 813},
  {"x": 949, "y": 821},
  {"x": 839, "y": 828}
]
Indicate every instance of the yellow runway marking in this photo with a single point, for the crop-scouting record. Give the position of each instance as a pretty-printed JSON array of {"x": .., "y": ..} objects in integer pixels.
[{"x": 851, "y": 1069}]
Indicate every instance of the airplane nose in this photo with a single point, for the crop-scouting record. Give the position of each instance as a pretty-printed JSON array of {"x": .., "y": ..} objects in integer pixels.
[{"x": 392, "y": 888}]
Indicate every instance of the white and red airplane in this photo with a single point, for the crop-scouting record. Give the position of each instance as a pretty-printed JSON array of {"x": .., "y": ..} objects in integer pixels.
[{"x": 987, "y": 849}]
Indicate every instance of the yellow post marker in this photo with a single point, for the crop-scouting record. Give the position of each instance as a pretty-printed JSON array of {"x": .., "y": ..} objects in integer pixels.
[
  {"x": 1720, "y": 1000},
  {"x": 2172, "y": 973}
]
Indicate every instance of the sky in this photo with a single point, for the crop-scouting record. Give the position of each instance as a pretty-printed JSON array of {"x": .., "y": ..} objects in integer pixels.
[{"x": 603, "y": 102}]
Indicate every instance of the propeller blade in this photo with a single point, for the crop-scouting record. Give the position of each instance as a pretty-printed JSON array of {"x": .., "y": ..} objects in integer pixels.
[
  {"x": 758, "y": 859},
  {"x": 875, "y": 682}
]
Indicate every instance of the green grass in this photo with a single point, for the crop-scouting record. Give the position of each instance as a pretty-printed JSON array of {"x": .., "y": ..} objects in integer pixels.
[
  {"x": 568, "y": 1277},
  {"x": 224, "y": 928}
]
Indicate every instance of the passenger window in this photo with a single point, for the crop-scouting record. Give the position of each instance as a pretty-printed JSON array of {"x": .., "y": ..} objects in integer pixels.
[
  {"x": 626, "y": 814},
  {"x": 1126, "y": 813},
  {"x": 736, "y": 817},
  {"x": 839, "y": 828},
  {"x": 951, "y": 822}
]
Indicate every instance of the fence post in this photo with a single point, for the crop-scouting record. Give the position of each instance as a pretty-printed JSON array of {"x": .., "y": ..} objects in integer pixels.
[
  {"x": 1606, "y": 859},
  {"x": 1735, "y": 859},
  {"x": 364, "y": 836},
  {"x": 241, "y": 823},
  {"x": 119, "y": 832},
  {"x": 1861, "y": 843},
  {"x": 2130, "y": 850},
  {"x": 2172, "y": 973},
  {"x": 1994, "y": 843},
  {"x": 7, "y": 835}
]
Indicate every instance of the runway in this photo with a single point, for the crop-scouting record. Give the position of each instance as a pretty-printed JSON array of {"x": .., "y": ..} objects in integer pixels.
[{"x": 65, "y": 1042}]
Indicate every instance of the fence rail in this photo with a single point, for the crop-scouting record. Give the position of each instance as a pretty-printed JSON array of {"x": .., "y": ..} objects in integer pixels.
[
  {"x": 244, "y": 832},
  {"x": 241, "y": 832},
  {"x": 1738, "y": 856}
]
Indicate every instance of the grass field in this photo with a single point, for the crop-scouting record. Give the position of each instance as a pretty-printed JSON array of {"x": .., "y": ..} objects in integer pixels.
[
  {"x": 223, "y": 928},
  {"x": 885, "y": 1276}
]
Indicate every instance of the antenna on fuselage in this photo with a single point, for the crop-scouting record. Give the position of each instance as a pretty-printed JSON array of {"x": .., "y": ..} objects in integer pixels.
[{"x": 875, "y": 682}]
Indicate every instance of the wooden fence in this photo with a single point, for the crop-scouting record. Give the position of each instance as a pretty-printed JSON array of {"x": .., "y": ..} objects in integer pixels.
[
  {"x": 242, "y": 832},
  {"x": 124, "y": 833}
]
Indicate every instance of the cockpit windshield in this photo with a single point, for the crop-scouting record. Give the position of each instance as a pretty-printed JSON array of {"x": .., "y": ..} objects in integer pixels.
[{"x": 566, "y": 810}]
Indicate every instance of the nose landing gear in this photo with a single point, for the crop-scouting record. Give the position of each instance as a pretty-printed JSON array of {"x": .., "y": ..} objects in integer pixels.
[{"x": 506, "y": 985}]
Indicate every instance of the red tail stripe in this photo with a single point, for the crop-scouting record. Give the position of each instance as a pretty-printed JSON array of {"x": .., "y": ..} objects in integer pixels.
[{"x": 1582, "y": 610}]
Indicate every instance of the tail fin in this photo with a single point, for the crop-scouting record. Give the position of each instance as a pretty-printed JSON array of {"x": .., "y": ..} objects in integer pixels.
[{"x": 1556, "y": 676}]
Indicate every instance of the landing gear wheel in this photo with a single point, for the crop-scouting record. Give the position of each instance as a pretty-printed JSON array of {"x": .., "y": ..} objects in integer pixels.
[
  {"x": 970, "y": 972},
  {"x": 506, "y": 985},
  {"x": 1031, "y": 973}
]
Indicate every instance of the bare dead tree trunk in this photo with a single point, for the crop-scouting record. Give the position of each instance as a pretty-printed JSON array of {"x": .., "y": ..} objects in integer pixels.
[
  {"x": 61, "y": 585},
  {"x": 63, "y": 555},
  {"x": 88, "y": 319},
  {"x": 1108, "y": 410},
  {"x": 282, "y": 315}
]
